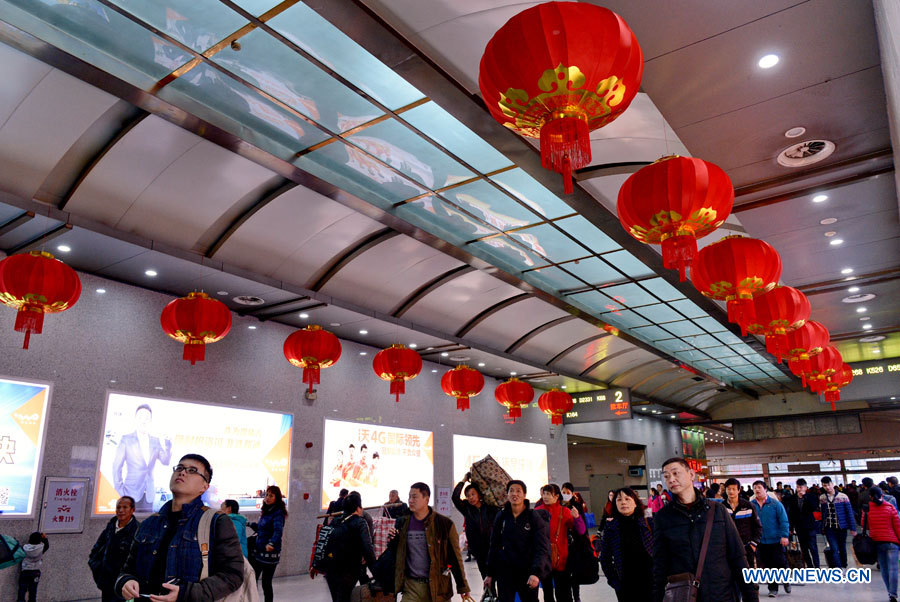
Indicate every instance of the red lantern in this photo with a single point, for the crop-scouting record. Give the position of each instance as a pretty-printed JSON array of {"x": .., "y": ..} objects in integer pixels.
[
  {"x": 672, "y": 203},
  {"x": 804, "y": 343},
  {"x": 821, "y": 367},
  {"x": 558, "y": 70},
  {"x": 736, "y": 269},
  {"x": 462, "y": 383},
  {"x": 836, "y": 382},
  {"x": 397, "y": 364},
  {"x": 779, "y": 311},
  {"x": 556, "y": 404},
  {"x": 196, "y": 320},
  {"x": 312, "y": 349},
  {"x": 35, "y": 283},
  {"x": 514, "y": 394}
]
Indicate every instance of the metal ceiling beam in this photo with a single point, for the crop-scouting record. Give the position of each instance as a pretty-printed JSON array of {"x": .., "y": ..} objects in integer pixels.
[
  {"x": 429, "y": 287},
  {"x": 267, "y": 317},
  {"x": 490, "y": 311},
  {"x": 271, "y": 306},
  {"x": 630, "y": 371},
  {"x": 267, "y": 197},
  {"x": 830, "y": 286},
  {"x": 40, "y": 239},
  {"x": 536, "y": 331},
  {"x": 608, "y": 169},
  {"x": 600, "y": 362},
  {"x": 572, "y": 348},
  {"x": 341, "y": 260},
  {"x": 844, "y": 336},
  {"x": 654, "y": 376},
  {"x": 11, "y": 224}
]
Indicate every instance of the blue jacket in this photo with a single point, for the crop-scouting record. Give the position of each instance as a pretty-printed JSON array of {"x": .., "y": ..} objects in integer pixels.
[
  {"x": 269, "y": 529},
  {"x": 842, "y": 508},
  {"x": 774, "y": 520},
  {"x": 240, "y": 525},
  {"x": 183, "y": 559},
  {"x": 611, "y": 558}
]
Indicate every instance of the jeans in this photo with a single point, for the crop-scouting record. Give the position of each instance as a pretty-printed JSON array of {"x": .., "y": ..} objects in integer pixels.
[
  {"x": 888, "y": 554},
  {"x": 557, "y": 582},
  {"x": 340, "y": 585},
  {"x": 28, "y": 582},
  {"x": 837, "y": 539},
  {"x": 809, "y": 546},
  {"x": 771, "y": 556}
]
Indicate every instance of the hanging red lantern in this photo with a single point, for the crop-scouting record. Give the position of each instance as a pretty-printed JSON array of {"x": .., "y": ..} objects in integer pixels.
[
  {"x": 514, "y": 394},
  {"x": 397, "y": 364},
  {"x": 804, "y": 343},
  {"x": 836, "y": 382},
  {"x": 558, "y": 70},
  {"x": 462, "y": 383},
  {"x": 196, "y": 320},
  {"x": 312, "y": 349},
  {"x": 36, "y": 283},
  {"x": 556, "y": 404},
  {"x": 821, "y": 367},
  {"x": 674, "y": 202},
  {"x": 736, "y": 269},
  {"x": 779, "y": 311}
]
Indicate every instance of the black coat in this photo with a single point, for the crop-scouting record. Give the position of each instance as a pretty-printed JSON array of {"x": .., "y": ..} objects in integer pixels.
[
  {"x": 519, "y": 545},
  {"x": 356, "y": 545},
  {"x": 801, "y": 516},
  {"x": 111, "y": 551},
  {"x": 677, "y": 539},
  {"x": 479, "y": 521}
]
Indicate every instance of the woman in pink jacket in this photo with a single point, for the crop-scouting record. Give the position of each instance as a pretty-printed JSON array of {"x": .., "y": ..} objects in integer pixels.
[
  {"x": 884, "y": 529},
  {"x": 655, "y": 502}
]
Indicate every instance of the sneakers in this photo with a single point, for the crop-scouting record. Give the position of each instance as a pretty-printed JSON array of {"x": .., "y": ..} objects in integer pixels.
[
  {"x": 773, "y": 594},
  {"x": 787, "y": 588}
]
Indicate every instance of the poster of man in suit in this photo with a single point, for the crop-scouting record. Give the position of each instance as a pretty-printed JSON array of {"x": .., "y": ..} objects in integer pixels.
[{"x": 136, "y": 456}]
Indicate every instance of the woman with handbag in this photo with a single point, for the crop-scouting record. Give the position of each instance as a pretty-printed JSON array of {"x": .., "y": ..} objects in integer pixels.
[
  {"x": 560, "y": 521},
  {"x": 883, "y": 524},
  {"x": 269, "y": 530},
  {"x": 626, "y": 550}
]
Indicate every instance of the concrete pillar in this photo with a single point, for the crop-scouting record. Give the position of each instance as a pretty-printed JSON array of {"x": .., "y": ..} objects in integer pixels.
[{"x": 887, "y": 22}]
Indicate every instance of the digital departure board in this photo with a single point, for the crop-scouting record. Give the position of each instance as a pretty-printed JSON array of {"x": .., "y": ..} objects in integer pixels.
[{"x": 598, "y": 406}]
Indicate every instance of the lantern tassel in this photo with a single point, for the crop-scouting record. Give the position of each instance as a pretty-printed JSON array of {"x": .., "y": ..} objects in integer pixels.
[
  {"x": 565, "y": 146},
  {"x": 311, "y": 375},
  {"x": 194, "y": 352},
  {"x": 462, "y": 403},
  {"x": 515, "y": 412},
  {"x": 777, "y": 345},
  {"x": 29, "y": 320},
  {"x": 741, "y": 312},
  {"x": 398, "y": 387},
  {"x": 556, "y": 419},
  {"x": 678, "y": 253}
]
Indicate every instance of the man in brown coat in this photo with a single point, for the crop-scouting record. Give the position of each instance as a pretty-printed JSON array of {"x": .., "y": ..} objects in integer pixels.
[{"x": 427, "y": 553}]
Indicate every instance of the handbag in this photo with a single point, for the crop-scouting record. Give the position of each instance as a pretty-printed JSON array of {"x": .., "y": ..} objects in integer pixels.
[
  {"x": 490, "y": 594},
  {"x": 794, "y": 555},
  {"x": 685, "y": 587},
  {"x": 554, "y": 546},
  {"x": 383, "y": 572},
  {"x": 491, "y": 479},
  {"x": 582, "y": 565},
  {"x": 382, "y": 530},
  {"x": 864, "y": 548}
]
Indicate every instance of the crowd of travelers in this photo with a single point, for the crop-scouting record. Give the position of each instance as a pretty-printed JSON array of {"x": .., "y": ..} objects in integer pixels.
[{"x": 685, "y": 538}]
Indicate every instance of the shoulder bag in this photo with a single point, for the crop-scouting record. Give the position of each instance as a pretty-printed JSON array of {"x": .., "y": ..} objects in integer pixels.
[
  {"x": 864, "y": 548},
  {"x": 247, "y": 591},
  {"x": 685, "y": 587}
]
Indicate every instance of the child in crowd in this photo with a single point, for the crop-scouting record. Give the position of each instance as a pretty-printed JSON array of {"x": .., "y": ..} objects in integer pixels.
[{"x": 31, "y": 565}]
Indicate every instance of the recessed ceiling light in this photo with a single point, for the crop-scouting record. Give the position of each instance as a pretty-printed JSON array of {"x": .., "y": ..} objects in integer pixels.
[
  {"x": 836, "y": 241},
  {"x": 640, "y": 418},
  {"x": 481, "y": 364},
  {"x": 434, "y": 370},
  {"x": 63, "y": 248},
  {"x": 364, "y": 353},
  {"x": 819, "y": 198},
  {"x": 865, "y": 319},
  {"x": 222, "y": 293},
  {"x": 445, "y": 354},
  {"x": 768, "y": 61},
  {"x": 860, "y": 310},
  {"x": 412, "y": 345},
  {"x": 867, "y": 326},
  {"x": 873, "y": 338},
  {"x": 304, "y": 315},
  {"x": 858, "y": 298},
  {"x": 513, "y": 373},
  {"x": 830, "y": 233},
  {"x": 150, "y": 273},
  {"x": 847, "y": 271},
  {"x": 234, "y": 396},
  {"x": 673, "y": 415},
  {"x": 644, "y": 409},
  {"x": 893, "y": 398},
  {"x": 101, "y": 290},
  {"x": 158, "y": 388},
  {"x": 334, "y": 323},
  {"x": 795, "y": 132},
  {"x": 363, "y": 332},
  {"x": 112, "y": 381},
  {"x": 876, "y": 351},
  {"x": 853, "y": 289},
  {"x": 828, "y": 221},
  {"x": 251, "y": 328},
  {"x": 563, "y": 387}
]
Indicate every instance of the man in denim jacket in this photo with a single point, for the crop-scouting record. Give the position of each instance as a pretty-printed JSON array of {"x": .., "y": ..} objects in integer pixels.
[{"x": 166, "y": 559}]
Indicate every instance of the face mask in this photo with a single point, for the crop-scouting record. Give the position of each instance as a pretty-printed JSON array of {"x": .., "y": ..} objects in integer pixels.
[{"x": 566, "y": 497}]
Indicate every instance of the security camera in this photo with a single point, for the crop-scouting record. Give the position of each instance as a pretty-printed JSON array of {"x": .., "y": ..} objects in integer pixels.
[{"x": 310, "y": 395}]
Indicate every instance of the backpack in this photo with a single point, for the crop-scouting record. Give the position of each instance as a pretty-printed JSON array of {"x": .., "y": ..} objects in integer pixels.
[
  {"x": 11, "y": 551},
  {"x": 247, "y": 591},
  {"x": 328, "y": 552}
]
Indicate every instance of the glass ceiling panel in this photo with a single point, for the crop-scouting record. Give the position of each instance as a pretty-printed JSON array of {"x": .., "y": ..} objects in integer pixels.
[
  {"x": 707, "y": 364},
  {"x": 587, "y": 234},
  {"x": 552, "y": 278},
  {"x": 735, "y": 361},
  {"x": 305, "y": 28},
  {"x": 211, "y": 95},
  {"x": 662, "y": 289},
  {"x": 673, "y": 345},
  {"x": 707, "y": 323},
  {"x": 349, "y": 169},
  {"x": 550, "y": 242},
  {"x": 198, "y": 24},
  {"x": 629, "y": 264},
  {"x": 408, "y": 153},
  {"x": 624, "y": 319},
  {"x": 447, "y": 131},
  {"x": 493, "y": 206},
  {"x": 257, "y": 7},
  {"x": 743, "y": 349},
  {"x": 704, "y": 341},
  {"x": 273, "y": 67},
  {"x": 508, "y": 254},
  {"x": 532, "y": 193},
  {"x": 593, "y": 301},
  {"x": 661, "y": 313},
  {"x": 728, "y": 338},
  {"x": 630, "y": 295},
  {"x": 442, "y": 219},
  {"x": 652, "y": 333},
  {"x": 593, "y": 271},
  {"x": 691, "y": 355},
  {"x": 685, "y": 328},
  {"x": 99, "y": 36},
  {"x": 720, "y": 352},
  {"x": 690, "y": 309}
]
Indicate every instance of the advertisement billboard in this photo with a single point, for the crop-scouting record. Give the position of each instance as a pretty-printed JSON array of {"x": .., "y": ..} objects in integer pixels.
[
  {"x": 143, "y": 438},
  {"x": 373, "y": 459},
  {"x": 23, "y": 415},
  {"x": 524, "y": 461}
]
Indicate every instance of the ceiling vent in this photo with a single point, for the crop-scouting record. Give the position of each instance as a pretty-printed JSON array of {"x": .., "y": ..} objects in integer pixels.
[
  {"x": 248, "y": 300},
  {"x": 805, "y": 153},
  {"x": 698, "y": 378},
  {"x": 872, "y": 339}
]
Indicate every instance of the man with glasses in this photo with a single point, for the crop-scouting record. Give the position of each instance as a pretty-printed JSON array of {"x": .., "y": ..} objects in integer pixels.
[{"x": 166, "y": 560}]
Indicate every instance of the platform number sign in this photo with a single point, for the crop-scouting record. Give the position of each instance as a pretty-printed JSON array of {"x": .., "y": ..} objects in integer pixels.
[{"x": 599, "y": 406}]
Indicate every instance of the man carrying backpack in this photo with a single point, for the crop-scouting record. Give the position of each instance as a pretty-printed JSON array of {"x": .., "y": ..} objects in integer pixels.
[
  {"x": 348, "y": 545},
  {"x": 166, "y": 560}
]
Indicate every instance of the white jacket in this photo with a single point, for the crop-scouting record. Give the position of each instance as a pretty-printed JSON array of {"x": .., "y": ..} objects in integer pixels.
[{"x": 34, "y": 556}]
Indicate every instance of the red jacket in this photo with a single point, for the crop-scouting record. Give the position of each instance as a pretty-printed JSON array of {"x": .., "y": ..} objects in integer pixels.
[
  {"x": 559, "y": 540},
  {"x": 883, "y": 523}
]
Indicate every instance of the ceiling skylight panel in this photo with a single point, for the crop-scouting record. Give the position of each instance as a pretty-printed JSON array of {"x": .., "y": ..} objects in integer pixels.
[{"x": 198, "y": 24}]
